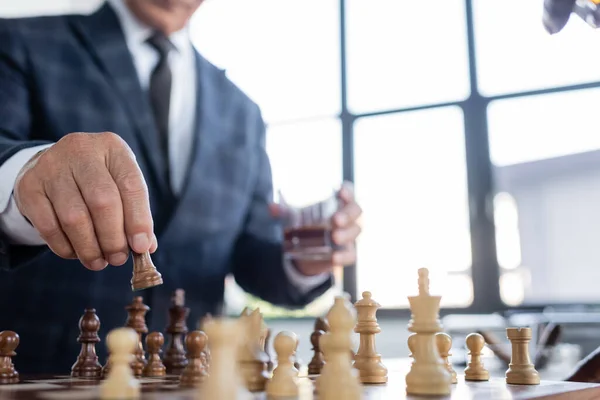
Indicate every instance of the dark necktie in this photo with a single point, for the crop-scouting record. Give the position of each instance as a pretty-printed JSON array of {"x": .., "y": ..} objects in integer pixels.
[{"x": 160, "y": 97}]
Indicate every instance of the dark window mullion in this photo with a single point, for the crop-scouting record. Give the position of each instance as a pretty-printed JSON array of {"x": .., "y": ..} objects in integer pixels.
[
  {"x": 347, "y": 120},
  {"x": 485, "y": 269}
]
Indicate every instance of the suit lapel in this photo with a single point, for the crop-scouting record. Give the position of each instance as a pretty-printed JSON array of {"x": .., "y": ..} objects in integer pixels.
[
  {"x": 102, "y": 33},
  {"x": 210, "y": 130},
  {"x": 208, "y": 124}
]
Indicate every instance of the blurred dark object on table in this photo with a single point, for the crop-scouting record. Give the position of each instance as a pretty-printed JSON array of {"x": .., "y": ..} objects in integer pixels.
[{"x": 588, "y": 369}]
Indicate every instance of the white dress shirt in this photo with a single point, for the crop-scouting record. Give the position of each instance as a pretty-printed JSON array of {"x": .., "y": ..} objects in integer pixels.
[{"x": 182, "y": 114}]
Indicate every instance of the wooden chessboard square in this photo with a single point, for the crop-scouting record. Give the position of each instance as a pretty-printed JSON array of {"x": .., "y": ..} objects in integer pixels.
[{"x": 26, "y": 386}]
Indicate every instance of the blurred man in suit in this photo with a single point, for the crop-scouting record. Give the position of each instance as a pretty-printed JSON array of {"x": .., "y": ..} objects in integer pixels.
[{"x": 114, "y": 132}]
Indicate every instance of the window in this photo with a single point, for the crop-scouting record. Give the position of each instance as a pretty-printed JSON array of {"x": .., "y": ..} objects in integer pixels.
[
  {"x": 546, "y": 155},
  {"x": 284, "y": 54},
  {"x": 411, "y": 182},
  {"x": 306, "y": 159},
  {"x": 286, "y": 57},
  {"x": 405, "y": 53},
  {"x": 515, "y": 53}
]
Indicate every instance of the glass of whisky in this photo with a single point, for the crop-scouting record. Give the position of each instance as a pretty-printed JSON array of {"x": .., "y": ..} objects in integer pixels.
[{"x": 307, "y": 229}]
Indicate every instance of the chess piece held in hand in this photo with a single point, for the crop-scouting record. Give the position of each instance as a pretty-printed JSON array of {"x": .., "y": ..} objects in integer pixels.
[
  {"x": 120, "y": 382},
  {"x": 367, "y": 361},
  {"x": 145, "y": 274},
  {"x": 155, "y": 367},
  {"x": 475, "y": 370},
  {"x": 284, "y": 381},
  {"x": 521, "y": 370},
  {"x": 87, "y": 365},
  {"x": 9, "y": 341}
]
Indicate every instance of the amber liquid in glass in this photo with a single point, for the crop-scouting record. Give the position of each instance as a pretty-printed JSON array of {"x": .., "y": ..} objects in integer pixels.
[{"x": 310, "y": 242}]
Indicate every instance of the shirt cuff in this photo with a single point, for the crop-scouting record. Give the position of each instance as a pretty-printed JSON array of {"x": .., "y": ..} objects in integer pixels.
[
  {"x": 302, "y": 282},
  {"x": 12, "y": 223}
]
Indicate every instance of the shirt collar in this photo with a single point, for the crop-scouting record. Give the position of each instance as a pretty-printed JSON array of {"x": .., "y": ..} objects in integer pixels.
[{"x": 136, "y": 32}]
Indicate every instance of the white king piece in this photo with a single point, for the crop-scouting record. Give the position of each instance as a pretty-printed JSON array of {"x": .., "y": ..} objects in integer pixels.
[{"x": 428, "y": 375}]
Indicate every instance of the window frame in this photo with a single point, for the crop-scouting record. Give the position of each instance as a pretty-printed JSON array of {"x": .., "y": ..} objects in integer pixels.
[{"x": 485, "y": 270}]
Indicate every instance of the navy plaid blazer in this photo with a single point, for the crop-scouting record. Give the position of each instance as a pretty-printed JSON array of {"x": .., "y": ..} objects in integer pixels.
[{"x": 74, "y": 73}]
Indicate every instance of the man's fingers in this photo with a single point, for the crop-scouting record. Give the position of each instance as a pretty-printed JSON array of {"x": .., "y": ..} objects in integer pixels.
[
  {"x": 346, "y": 192},
  {"x": 76, "y": 222},
  {"x": 347, "y": 215},
  {"x": 345, "y": 257},
  {"x": 343, "y": 237},
  {"x": 134, "y": 197},
  {"x": 36, "y": 207},
  {"x": 154, "y": 245},
  {"x": 103, "y": 201}
]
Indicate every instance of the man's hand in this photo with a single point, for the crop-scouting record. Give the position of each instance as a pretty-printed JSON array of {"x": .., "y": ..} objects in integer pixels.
[
  {"x": 87, "y": 198},
  {"x": 345, "y": 231}
]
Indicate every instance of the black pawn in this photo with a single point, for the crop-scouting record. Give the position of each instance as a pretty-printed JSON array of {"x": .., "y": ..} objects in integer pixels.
[
  {"x": 316, "y": 364},
  {"x": 9, "y": 341},
  {"x": 87, "y": 365}
]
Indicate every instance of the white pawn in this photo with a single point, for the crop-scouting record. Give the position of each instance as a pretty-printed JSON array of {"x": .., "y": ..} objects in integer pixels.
[
  {"x": 224, "y": 381},
  {"x": 475, "y": 370},
  {"x": 284, "y": 383},
  {"x": 120, "y": 382}
]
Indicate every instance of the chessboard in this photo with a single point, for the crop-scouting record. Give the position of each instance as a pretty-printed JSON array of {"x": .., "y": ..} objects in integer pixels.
[
  {"x": 168, "y": 388},
  {"x": 230, "y": 359}
]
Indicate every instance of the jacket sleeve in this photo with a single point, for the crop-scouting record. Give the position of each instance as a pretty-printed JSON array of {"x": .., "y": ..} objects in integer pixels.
[
  {"x": 15, "y": 125},
  {"x": 258, "y": 255}
]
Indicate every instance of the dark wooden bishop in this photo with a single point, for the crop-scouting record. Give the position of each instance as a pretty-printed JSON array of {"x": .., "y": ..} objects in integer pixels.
[
  {"x": 195, "y": 372},
  {"x": 87, "y": 365},
  {"x": 9, "y": 341},
  {"x": 136, "y": 320},
  {"x": 175, "y": 359}
]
